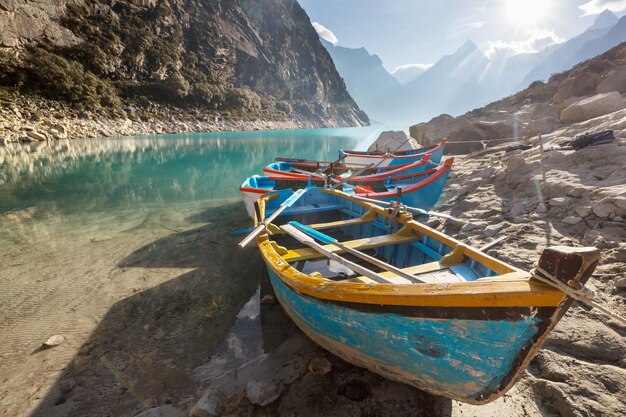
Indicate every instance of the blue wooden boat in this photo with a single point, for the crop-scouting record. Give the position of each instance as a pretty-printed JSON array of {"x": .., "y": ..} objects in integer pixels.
[
  {"x": 451, "y": 320},
  {"x": 302, "y": 169},
  {"x": 420, "y": 190},
  {"x": 379, "y": 158}
]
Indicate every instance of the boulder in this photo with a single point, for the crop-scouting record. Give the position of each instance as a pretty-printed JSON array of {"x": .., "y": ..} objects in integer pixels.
[
  {"x": 497, "y": 129},
  {"x": 33, "y": 134},
  {"x": 615, "y": 80},
  {"x": 461, "y": 148},
  {"x": 541, "y": 126},
  {"x": 602, "y": 209},
  {"x": 565, "y": 104},
  {"x": 541, "y": 110},
  {"x": 583, "y": 84},
  {"x": 455, "y": 129},
  {"x": 583, "y": 211},
  {"x": 393, "y": 140},
  {"x": 572, "y": 220},
  {"x": 559, "y": 201},
  {"x": 591, "y": 107},
  {"x": 58, "y": 131},
  {"x": 24, "y": 22}
]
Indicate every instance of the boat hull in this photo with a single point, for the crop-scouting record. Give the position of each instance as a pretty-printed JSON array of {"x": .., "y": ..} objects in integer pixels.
[
  {"x": 417, "y": 192},
  {"x": 436, "y": 153},
  {"x": 466, "y": 354}
]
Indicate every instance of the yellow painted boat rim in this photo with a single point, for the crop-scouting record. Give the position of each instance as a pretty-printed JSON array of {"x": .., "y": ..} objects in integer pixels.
[{"x": 512, "y": 287}]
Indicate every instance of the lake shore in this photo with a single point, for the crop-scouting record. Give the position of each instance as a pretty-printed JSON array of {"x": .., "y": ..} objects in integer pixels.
[
  {"x": 29, "y": 120},
  {"x": 133, "y": 292}
]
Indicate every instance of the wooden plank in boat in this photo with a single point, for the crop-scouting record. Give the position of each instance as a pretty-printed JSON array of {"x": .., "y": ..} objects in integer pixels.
[
  {"x": 431, "y": 272},
  {"x": 330, "y": 225},
  {"x": 294, "y": 255}
]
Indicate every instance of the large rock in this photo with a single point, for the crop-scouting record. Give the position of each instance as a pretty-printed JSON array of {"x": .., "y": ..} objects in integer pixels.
[
  {"x": 498, "y": 129},
  {"x": 465, "y": 147},
  {"x": 568, "y": 102},
  {"x": 615, "y": 80},
  {"x": 393, "y": 140},
  {"x": 541, "y": 110},
  {"x": 591, "y": 107},
  {"x": 455, "y": 129},
  {"x": 25, "y": 21},
  {"x": 583, "y": 84},
  {"x": 541, "y": 126}
]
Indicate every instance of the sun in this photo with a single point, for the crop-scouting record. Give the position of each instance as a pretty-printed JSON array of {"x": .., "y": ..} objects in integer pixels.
[{"x": 526, "y": 12}]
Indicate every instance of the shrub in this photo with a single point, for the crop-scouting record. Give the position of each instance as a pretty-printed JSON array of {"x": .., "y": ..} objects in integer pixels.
[
  {"x": 242, "y": 99},
  {"x": 54, "y": 77},
  {"x": 203, "y": 93},
  {"x": 284, "y": 107},
  {"x": 175, "y": 87}
]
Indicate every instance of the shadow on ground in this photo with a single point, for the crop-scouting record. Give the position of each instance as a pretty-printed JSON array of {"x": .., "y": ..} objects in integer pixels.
[
  {"x": 163, "y": 345},
  {"x": 143, "y": 352}
]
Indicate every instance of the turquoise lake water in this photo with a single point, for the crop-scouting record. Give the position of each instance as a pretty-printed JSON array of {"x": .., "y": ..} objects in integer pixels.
[
  {"x": 124, "y": 247},
  {"x": 110, "y": 174}
]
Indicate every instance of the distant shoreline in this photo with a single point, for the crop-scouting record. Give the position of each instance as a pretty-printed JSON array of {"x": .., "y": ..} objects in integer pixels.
[{"x": 31, "y": 121}]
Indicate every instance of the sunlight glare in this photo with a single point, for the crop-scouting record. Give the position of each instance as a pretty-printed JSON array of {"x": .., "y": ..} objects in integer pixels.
[{"x": 526, "y": 12}]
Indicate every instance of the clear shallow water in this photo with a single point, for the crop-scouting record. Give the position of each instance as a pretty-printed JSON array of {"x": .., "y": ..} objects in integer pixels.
[
  {"x": 123, "y": 246},
  {"x": 110, "y": 174}
]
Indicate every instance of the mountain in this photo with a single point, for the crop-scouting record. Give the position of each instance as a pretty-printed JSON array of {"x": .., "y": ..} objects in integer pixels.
[
  {"x": 446, "y": 87},
  {"x": 606, "y": 19},
  {"x": 252, "y": 57},
  {"x": 573, "y": 51},
  {"x": 505, "y": 72},
  {"x": 407, "y": 73},
  {"x": 614, "y": 36},
  {"x": 365, "y": 77}
]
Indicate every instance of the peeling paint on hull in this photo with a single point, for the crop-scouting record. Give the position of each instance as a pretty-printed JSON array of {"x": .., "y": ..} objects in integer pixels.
[{"x": 460, "y": 358}]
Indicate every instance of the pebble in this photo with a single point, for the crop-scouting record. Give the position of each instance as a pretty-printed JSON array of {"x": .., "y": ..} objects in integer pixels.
[
  {"x": 492, "y": 230},
  {"x": 261, "y": 392},
  {"x": 600, "y": 209},
  {"x": 33, "y": 134},
  {"x": 52, "y": 341},
  {"x": 583, "y": 211},
  {"x": 268, "y": 299},
  {"x": 572, "y": 220},
  {"x": 320, "y": 366},
  {"x": 559, "y": 201},
  {"x": 620, "y": 282}
]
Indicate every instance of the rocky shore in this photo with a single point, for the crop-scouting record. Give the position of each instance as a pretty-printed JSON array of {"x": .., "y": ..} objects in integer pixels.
[{"x": 36, "y": 120}]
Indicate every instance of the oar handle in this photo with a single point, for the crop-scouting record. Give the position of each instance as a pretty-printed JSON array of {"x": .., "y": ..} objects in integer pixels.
[
  {"x": 284, "y": 205},
  {"x": 315, "y": 234}
]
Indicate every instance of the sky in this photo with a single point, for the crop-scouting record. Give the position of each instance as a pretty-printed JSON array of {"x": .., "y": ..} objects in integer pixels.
[{"x": 419, "y": 32}]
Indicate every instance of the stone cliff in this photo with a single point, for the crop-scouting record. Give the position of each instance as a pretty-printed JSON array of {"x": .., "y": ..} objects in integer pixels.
[{"x": 250, "y": 57}]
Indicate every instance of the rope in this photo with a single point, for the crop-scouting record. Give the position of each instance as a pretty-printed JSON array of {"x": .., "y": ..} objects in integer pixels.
[{"x": 584, "y": 295}]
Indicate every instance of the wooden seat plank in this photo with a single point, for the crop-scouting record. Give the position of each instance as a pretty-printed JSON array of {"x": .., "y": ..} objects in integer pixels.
[{"x": 294, "y": 255}]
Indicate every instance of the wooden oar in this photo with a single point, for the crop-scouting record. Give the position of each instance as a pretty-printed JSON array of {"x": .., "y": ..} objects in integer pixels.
[
  {"x": 413, "y": 209},
  {"x": 338, "y": 182},
  {"x": 306, "y": 240},
  {"x": 261, "y": 226},
  {"x": 325, "y": 239},
  {"x": 493, "y": 243},
  {"x": 385, "y": 203}
]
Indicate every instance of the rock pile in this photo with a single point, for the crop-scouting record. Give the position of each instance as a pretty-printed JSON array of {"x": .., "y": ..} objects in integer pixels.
[
  {"x": 33, "y": 120},
  {"x": 390, "y": 141},
  {"x": 582, "y": 368},
  {"x": 591, "y": 89}
]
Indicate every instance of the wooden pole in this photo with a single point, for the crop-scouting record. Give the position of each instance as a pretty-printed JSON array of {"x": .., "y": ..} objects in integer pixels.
[{"x": 543, "y": 165}]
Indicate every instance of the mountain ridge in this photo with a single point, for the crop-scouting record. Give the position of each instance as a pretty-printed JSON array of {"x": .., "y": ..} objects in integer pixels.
[{"x": 243, "y": 57}]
